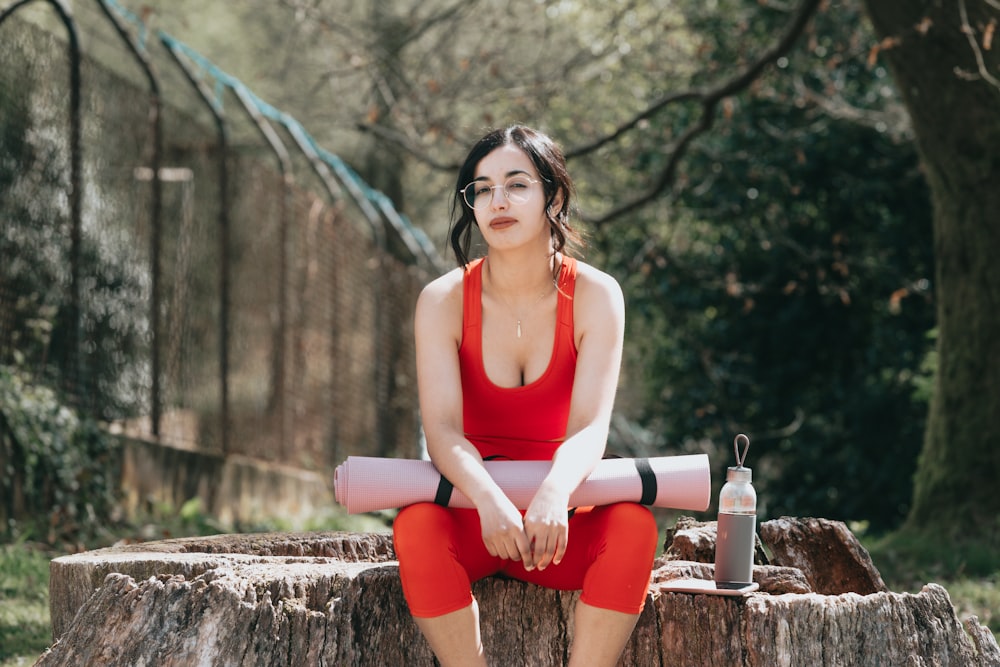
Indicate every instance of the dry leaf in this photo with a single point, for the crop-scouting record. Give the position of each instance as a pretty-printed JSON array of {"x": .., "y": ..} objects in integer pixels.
[
  {"x": 886, "y": 44},
  {"x": 895, "y": 300}
]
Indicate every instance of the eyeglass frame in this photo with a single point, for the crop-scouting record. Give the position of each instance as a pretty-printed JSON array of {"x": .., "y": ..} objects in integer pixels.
[{"x": 493, "y": 189}]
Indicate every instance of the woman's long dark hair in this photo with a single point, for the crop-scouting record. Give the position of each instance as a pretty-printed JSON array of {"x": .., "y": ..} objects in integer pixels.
[{"x": 550, "y": 163}]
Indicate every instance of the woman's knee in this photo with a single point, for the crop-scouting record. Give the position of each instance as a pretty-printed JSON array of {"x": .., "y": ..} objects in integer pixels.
[
  {"x": 414, "y": 523},
  {"x": 634, "y": 526}
]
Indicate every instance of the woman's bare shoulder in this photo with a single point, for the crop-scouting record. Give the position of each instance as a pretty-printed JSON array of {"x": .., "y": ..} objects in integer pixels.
[
  {"x": 592, "y": 284},
  {"x": 440, "y": 302},
  {"x": 444, "y": 287}
]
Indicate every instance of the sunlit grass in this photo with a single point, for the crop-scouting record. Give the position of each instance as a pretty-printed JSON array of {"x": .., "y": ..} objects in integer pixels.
[{"x": 25, "y": 630}]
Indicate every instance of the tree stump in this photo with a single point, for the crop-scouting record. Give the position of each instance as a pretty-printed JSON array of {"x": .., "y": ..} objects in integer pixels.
[
  {"x": 829, "y": 555},
  {"x": 335, "y": 599}
]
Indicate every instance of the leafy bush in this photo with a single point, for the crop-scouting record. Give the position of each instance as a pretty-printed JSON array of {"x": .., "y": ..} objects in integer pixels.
[
  {"x": 57, "y": 469},
  {"x": 96, "y": 345},
  {"x": 788, "y": 291}
]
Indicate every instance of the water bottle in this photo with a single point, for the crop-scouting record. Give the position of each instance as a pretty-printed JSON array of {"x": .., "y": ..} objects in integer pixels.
[{"x": 735, "y": 539}]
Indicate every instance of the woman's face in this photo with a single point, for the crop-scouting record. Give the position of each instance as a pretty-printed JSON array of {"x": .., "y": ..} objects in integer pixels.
[{"x": 510, "y": 200}]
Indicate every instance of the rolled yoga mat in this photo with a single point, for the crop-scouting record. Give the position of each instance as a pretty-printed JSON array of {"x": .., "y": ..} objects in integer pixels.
[{"x": 367, "y": 484}]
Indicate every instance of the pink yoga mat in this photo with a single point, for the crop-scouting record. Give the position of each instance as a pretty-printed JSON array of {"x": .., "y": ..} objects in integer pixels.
[{"x": 368, "y": 484}]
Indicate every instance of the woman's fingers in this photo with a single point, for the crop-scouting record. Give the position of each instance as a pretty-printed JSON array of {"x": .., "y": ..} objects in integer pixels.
[
  {"x": 524, "y": 552},
  {"x": 514, "y": 547},
  {"x": 548, "y": 541},
  {"x": 546, "y": 524},
  {"x": 537, "y": 540},
  {"x": 506, "y": 539},
  {"x": 560, "y": 549}
]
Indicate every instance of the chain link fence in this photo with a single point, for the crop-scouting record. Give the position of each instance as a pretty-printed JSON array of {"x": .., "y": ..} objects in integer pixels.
[{"x": 183, "y": 261}]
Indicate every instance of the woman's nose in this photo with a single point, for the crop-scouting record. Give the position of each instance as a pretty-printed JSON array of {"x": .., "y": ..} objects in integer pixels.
[{"x": 499, "y": 197}]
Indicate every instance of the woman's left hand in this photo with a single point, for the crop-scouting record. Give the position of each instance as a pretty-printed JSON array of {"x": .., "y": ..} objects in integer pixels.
[{"x": 546, "y": 524}]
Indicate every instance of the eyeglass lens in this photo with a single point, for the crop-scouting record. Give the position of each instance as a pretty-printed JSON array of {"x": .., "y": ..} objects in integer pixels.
[{"x": 479, "y": 195}]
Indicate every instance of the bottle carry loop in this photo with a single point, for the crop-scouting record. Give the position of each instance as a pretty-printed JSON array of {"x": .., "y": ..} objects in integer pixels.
[{"x": 741, "y": 457}]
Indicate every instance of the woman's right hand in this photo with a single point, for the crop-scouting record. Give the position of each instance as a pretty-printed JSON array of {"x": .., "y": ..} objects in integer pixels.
[{"x": 503, "y": 531}]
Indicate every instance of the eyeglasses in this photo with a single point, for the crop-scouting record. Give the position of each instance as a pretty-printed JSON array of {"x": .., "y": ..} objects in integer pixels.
[{"x": 517, "y": 189}]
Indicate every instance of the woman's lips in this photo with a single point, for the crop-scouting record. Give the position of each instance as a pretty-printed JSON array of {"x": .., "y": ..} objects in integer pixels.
[{"x": 502, "y": 223}]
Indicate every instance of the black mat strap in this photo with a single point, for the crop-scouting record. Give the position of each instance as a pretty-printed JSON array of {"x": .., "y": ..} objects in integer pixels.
[
  {"x": 648, "y": 479},
  {"x": 443, "y": 495}
]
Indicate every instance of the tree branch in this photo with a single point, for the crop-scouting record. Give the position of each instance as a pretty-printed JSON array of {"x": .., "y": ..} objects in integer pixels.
[
  {"x": 400, "y": 139},
  {"x": 709, "y": 99},
  {"x": 970, "y": 35}
]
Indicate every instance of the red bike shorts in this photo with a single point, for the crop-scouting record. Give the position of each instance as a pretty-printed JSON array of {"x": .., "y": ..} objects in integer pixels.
[{"x": 609, "y": 557}]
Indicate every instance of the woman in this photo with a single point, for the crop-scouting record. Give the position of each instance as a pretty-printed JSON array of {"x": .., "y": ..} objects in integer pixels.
[{"x": 518, "y": 355}]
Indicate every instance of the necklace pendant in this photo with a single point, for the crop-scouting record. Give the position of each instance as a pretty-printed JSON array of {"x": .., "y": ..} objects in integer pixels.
[{"x": 519, "y": 328}]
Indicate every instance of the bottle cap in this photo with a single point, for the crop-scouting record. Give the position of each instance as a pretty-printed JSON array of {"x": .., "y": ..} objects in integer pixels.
[{"x": 739, "y": 474}]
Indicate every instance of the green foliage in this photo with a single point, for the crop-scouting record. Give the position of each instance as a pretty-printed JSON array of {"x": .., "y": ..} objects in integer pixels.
[
  {"x": 908, "y": 555},
  {"x": 795, "y": 308},
  {"x": 33, "y": 253},
  {"x": 789, "y": 297},
  {"x": 57, "y": 469},
  {"x": 923, "y": 382}
]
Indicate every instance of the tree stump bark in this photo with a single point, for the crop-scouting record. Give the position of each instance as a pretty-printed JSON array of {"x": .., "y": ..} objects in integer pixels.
[
  {"x": 827, "y": 553},
  {"x": 335, "y": 599}
]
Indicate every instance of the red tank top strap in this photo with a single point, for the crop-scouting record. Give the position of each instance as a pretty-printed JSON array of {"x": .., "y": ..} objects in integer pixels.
[
  {"x": 567, "y": 286},
  {"x": 472, "y": 305}
]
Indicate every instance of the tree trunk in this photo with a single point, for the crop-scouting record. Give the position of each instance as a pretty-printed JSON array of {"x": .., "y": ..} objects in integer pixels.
[
  {"x": 955, "y": 108},
  {"x": 335, "y": 599}
]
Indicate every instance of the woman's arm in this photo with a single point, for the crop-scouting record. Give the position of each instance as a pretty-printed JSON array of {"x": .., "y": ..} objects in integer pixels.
[
  {"x": 438, "y": 331},
  {"x": 599, "y": 322}
]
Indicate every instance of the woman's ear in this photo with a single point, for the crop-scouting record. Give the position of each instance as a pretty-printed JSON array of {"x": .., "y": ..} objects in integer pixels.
[{"x": 555, "y": 208}]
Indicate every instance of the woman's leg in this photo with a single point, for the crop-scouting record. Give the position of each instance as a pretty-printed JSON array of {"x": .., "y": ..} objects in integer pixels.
[
  {"x": 599, "y": 635},
  {"x": 623, "y": 544},
  {"x": 440, "y": 551},
  {"x": 623, "y": 563},
  {"x": 610, "y": 556},
  {"x": 455, "y": 637}
]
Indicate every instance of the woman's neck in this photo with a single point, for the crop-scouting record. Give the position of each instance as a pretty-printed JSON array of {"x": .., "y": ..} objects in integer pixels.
[{"x": 520, "y": 276}]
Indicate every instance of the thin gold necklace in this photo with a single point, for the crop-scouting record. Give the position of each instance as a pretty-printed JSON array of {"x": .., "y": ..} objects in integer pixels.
[{"x": 517, "y": 318}]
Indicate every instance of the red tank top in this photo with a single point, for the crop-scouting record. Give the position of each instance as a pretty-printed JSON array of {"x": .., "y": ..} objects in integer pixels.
[{"x": 521, "y": 423}]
